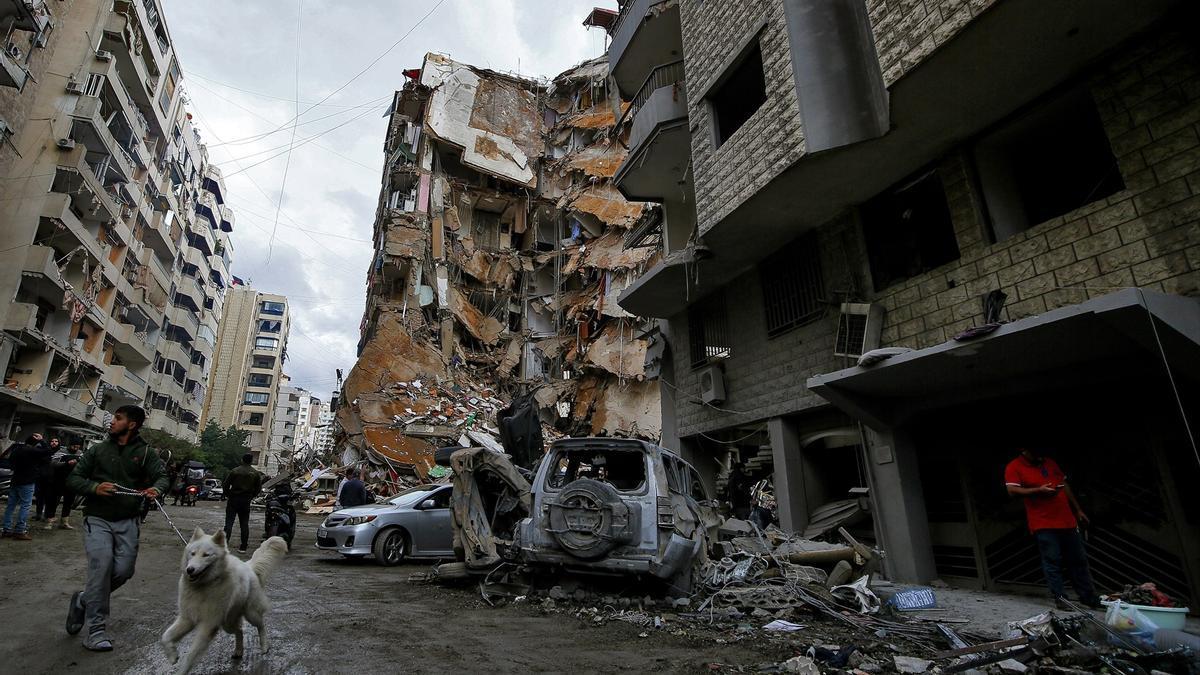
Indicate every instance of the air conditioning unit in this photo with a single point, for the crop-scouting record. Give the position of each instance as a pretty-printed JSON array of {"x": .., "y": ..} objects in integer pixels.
[
  {"x": 66, "y": 144},
  {"x": 859, "y": 327},
  {"x": 712, "y": 384},
  {"x": 74, "y": 87},
  {"x": 103, "y": 55}
]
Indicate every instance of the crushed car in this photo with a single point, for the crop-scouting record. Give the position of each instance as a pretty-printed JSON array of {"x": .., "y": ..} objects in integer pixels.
[{"x": 589, "y": 506}]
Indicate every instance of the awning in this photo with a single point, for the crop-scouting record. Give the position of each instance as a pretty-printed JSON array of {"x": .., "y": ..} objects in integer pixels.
[{"x": 1123, "y": 334}]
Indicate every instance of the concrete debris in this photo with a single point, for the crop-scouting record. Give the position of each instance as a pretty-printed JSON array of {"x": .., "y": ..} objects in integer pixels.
[{"x": 911, "y": 664}]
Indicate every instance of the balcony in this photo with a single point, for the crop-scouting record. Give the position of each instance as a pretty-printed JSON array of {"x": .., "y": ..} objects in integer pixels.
[
  {"x": 659, "y": 140},
  {"x": 128, "y": 344},
  {"x": 12, "y": 71},
  {"x": 93, "y": 132},
  {"x": 39, "y": 262},
  {"x": 77, "y": 178},
  {"x": 21, "y": 316},
  {"x": 646, "y": 34}
]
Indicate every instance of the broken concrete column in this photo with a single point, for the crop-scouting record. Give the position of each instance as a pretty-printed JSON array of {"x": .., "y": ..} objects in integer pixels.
[
  {"x": 790, "y": 493},
  {"x": 899, "y": 507}
]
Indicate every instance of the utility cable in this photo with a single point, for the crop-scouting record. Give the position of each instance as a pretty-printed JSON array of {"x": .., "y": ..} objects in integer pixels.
[{"x": 288, "y": 163}]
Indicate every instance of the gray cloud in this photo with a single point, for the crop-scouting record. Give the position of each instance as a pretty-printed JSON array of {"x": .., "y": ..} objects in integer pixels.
[{"x": 229, "y": 45}]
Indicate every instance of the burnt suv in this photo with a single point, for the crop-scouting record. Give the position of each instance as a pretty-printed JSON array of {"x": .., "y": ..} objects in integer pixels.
[{"x": 593, "y": 505}]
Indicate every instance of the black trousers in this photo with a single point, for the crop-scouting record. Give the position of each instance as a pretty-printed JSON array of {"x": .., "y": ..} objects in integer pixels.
[
  {"x": 57, "y": 490},
  {"x": 238, "y": 506}
]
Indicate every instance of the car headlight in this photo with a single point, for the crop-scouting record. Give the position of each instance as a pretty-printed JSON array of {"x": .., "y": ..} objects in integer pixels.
[{"x": 357, "y": 520}]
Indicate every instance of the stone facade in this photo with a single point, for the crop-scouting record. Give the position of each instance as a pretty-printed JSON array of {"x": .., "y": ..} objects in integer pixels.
[
  {"x": 908, "y": 31},
  {"x": 713, "y": 34},
  {"x": 1147, "y": 235}
]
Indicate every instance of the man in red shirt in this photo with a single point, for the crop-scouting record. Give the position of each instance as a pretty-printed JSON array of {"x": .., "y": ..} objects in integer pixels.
[{"x": 1054, "y": 517}]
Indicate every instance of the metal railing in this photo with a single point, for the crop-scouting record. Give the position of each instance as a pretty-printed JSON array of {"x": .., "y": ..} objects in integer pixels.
[{"x": 666, "y": 75}]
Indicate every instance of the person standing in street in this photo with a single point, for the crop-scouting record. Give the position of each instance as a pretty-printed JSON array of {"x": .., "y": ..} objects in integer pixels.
[
  {"x": 62, "y": 463},
  {"x": 119, "y": 464},
  {"x": 1054, "y": 517},
  {"x": 45, "y": 483},
  {"x": 27, "y": 459},
  {"x": 354, "y": 492},
  {"x": 242, "y": 485}
]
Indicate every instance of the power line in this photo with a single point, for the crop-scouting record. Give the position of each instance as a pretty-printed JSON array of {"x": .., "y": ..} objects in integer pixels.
[
  {"x": 288, "y": 163},
  {"x": 271, "y": 96},
  {"x": 369, "y": 65},
  {"x": 297, "y": 145}
]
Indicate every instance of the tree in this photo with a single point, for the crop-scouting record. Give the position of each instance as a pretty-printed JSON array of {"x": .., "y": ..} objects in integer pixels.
[
  {"x": 223, "y": 448},
  {"x": 179, "y": 449}
]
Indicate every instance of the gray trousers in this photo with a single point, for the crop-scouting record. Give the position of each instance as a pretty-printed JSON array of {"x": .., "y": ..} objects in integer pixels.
[{"x": 111, "y": 547}]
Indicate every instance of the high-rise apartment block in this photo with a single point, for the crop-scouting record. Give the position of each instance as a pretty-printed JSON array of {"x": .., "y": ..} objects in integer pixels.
[
  {"x": 248, "y": 368},
  {"x": 114, "y": 231}
]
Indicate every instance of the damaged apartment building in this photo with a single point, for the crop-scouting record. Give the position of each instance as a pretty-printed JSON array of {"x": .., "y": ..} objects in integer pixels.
[
  {"x": 500, "y": 255},
  {"x": 925, "y": 235}
]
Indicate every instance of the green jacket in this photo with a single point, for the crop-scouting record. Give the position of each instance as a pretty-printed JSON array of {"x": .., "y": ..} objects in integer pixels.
[
  {"x": 243, "y": 481},
  {"x": 133, "y": 465}
]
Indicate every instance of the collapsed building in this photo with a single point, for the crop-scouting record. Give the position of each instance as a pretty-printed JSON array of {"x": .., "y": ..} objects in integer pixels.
[{"x": 500, "y": 251}]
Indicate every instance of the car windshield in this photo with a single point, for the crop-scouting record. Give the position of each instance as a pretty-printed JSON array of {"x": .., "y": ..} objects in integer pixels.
[
  {"x": 412, "y": 495},
  {"x": 624, "y": 469}
]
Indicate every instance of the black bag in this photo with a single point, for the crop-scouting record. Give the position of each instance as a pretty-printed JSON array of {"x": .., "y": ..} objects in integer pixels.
[{"x": 521, "y": 431}]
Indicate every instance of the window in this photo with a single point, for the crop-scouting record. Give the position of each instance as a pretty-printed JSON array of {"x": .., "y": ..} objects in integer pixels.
[
  {"x": 266, "y": 343},
  {"x": 741, "y": 92},
  {"x": 1045, "y": 163},
  {"x": 793, "y": 292},
  {"x": 625, "y": 470},
  {"x": 259, "y": 380},
  {"x": 95, "y": 83},
  {"x": 908, "y": 230},
  {"x": 263, "y": 362},
  {"x": 708, "y": 330},
  {"x": 168, "y": 90},
  {"x": 255, "y": 418},
  {"x": 255, "y": 398},
  {"x": 273, "y": 308},
  {"x": 441, "y": 498},
  {"x": 268, "y": 326}
]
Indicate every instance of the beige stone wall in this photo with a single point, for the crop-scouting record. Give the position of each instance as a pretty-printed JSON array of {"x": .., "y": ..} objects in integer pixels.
[{"x": 908, "y": 31}]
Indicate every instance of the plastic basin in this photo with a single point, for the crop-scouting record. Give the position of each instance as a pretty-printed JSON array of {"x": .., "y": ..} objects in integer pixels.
[{"x": 1173, "y": 618}]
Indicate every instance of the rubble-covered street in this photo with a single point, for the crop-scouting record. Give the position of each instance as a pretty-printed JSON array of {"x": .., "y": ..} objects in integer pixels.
[{"x": 324, "y": 609}]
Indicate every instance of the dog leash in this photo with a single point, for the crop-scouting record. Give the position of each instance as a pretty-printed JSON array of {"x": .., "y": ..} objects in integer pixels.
[{"x": 122, "y": 490}]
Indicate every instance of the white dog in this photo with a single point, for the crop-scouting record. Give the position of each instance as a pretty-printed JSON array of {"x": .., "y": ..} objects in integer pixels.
[{"x": 216, "y": 590}]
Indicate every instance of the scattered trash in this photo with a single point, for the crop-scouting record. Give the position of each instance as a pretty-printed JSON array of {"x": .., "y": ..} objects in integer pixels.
[
  {"x": 783, "y": 626},
  {"x": 916, "y": 598}
]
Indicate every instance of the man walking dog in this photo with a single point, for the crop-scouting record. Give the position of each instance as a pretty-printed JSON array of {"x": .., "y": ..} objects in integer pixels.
[{"x": 105, "y": 473}]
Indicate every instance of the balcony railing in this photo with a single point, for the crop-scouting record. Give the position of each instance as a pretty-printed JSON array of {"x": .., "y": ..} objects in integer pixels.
[{"x": 666, "y": 75}]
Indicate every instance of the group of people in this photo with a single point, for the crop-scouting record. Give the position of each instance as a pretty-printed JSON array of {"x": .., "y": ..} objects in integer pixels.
[{"x": 39, "y": 482}]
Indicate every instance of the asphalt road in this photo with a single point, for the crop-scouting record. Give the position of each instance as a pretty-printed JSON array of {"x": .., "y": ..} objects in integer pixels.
[{"x": 328, "y": 615}]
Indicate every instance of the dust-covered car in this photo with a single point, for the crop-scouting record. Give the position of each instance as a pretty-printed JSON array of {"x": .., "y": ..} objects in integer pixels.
[
  {"x": 592, "y": 505},
  {"x": 412, "y": 524}
]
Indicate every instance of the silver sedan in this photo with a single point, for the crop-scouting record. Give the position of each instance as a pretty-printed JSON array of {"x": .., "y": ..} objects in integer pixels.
[{"x": 413, "y": 524}]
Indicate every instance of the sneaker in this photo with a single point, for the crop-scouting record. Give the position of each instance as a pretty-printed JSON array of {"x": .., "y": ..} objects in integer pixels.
[
  {"x": 97, "y": 641},
  {"x": 65, "y": 524},
  {"x": 49, "y": 525},
  {"x": 22, "y": 536},
  {"x": 75, "y": 614},
  {"x": 242, "y": 548}
]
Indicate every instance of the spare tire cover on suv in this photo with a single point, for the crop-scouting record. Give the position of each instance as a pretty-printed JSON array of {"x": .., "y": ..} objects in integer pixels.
[{"x": 588, "y": 519}]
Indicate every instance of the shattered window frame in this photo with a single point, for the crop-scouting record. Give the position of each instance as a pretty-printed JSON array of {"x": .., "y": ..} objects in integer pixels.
[
  {"x": 793, "y": 287},
  {"x": 566, "y": 464},
  {"x": 708, "y": 331},
  {"x": 744, "y": 82}
]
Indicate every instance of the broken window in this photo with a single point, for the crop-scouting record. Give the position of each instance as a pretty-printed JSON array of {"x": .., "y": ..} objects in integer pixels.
[
  {"x": 273, "y": 308},
  {"x": 625, "y": 470},
  {"x": 259, "y": 380},
  {"x": 908, "y": 230},
  {"x": 255, "y": 418},
  {"x": 708, "y": 330},
  {"x": 263, "y": 362},
  {"x": 1045, "y": 163},
  {"x": 740, "y": 94},
  {"x": 256, "y": 398},
  {"x": 268, "y": 326},
  {"x": 793, "y": 291}
]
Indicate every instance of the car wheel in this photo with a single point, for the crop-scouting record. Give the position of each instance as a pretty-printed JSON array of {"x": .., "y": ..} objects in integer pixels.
[
  {"x": 390, "y": 547},
  {"x": 454, "y": 570}
]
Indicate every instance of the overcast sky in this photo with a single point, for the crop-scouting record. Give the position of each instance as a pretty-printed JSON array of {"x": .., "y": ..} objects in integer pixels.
[{"x": 239, "y": 59}]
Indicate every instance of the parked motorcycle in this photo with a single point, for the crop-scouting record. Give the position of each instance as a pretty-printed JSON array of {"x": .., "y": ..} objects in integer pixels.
[
  {"x": 280, "y": 515},
  {"x": 189, "y": 496}
]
